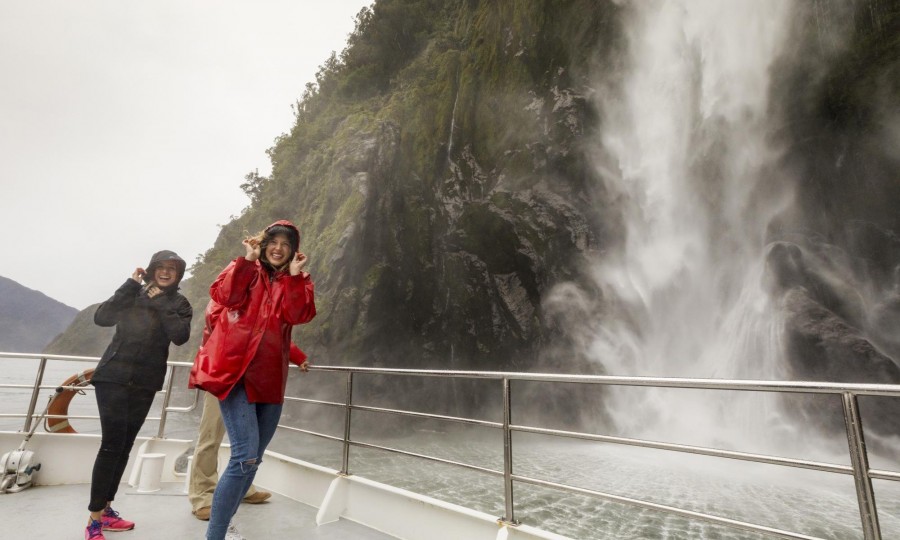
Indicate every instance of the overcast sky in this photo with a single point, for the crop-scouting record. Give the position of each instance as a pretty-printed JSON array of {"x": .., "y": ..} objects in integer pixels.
[{"x": 126, "y": 126}]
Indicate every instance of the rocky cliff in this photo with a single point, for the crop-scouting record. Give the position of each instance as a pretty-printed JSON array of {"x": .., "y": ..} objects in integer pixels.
[
  {"x": 444, "y": 172},
  {"x": 443, "y": 195}
]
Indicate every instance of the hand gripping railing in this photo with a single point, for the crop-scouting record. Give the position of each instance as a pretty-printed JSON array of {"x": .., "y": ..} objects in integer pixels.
[{"x": 859, "y": 467}]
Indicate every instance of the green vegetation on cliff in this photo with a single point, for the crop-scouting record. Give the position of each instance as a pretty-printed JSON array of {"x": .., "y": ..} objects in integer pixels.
[{"x": 434, "y": 170}]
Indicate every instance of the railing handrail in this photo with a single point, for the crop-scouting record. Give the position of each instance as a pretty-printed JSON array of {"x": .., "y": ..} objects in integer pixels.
[
  {"x": 867, "y": 389},
  {"x": 848, "y": 392},
  {"x": 37, "y": 386},
  {"x": 38, "y": 356},
  {"x": 756, "y": 385}
]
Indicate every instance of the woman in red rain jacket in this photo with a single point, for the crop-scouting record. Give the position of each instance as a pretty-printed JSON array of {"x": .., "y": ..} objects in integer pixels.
[{"x": 244, "y": 362}]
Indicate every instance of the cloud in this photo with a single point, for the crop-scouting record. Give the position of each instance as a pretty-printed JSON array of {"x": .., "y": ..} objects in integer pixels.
[{"x": 129, "y": 126}]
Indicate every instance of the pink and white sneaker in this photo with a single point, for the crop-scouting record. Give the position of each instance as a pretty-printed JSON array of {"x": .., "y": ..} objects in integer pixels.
[
  {"x": 94, "y": 531},
  {"x": 112, "y": 522}
]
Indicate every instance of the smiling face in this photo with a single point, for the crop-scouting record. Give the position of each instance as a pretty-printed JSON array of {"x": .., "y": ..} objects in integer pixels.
[
  {"x": 278, "y": 250},
  {"x": 165, "y": 274}
]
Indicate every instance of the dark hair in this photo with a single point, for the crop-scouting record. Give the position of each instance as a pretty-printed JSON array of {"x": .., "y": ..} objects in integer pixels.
[{"x": 270, "y": 234}]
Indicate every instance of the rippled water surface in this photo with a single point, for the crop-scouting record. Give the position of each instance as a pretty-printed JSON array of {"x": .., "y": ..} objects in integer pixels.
[{"x": 816, "y": 504}]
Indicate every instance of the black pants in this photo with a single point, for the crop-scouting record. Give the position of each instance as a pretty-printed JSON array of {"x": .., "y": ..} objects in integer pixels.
[{"x": 123, "y": 410}]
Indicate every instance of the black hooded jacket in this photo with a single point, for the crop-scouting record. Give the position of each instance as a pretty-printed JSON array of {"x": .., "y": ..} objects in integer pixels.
[{"x": 144, "y": 328}]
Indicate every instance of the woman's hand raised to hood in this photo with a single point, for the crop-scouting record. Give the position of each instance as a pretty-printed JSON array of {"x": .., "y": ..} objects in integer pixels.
[
  {"x": 252, "y": 246},
  {"x": 298, "y": 263}
]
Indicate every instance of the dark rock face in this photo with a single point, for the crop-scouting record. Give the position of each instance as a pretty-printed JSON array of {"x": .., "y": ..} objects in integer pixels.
[
  {"x": 824, "y": 347},
  {"x": 459, "y": 199},
  {"x": 832, "y": 333},
  {"x": 838, "y": 92},
  {"x": 837, "y": 255}
]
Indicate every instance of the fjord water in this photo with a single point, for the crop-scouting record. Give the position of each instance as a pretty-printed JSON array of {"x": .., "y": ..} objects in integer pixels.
[{"x": 795, "y": 500}]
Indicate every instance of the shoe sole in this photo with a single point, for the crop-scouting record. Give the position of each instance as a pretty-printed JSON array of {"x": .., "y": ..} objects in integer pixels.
[{"x": 118, "y": 529}]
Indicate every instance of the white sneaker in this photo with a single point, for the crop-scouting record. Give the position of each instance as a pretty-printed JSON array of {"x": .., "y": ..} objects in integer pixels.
[{"x": 232, "y": 533}]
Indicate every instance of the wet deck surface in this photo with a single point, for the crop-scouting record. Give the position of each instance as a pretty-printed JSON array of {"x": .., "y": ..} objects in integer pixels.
[{"x": 59, "y": 513}]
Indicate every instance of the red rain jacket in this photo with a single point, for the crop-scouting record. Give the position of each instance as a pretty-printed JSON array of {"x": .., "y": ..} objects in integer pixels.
[
  {"x": 214, "y": 312},
  {"x": 251, "y": 339}
]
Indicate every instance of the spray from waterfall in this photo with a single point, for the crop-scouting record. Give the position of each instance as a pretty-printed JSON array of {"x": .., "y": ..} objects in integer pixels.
[{"x": 687, "y": 155}]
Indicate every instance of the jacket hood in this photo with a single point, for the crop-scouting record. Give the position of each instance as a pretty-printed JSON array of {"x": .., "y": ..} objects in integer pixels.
[
  {"x": 285, "y": 223},
  {"x": 165, "y": 255}
]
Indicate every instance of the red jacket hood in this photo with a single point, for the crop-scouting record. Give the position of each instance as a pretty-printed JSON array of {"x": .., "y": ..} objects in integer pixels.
[{"x": 285, "y": 223}]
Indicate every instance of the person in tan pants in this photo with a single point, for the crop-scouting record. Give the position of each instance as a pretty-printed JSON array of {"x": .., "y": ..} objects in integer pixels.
[{"x": 204, "y": 466}]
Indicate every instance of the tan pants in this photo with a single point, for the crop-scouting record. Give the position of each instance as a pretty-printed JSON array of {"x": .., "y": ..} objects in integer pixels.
[{"x": 204, "y": 466}]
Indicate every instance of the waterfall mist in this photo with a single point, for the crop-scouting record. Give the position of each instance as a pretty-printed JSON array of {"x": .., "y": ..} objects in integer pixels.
[{"x": 689, "y": 165}]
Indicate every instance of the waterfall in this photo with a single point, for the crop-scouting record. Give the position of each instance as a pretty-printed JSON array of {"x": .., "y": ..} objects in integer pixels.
[
  {"x": 453, "y": 123},
  {"x": 686, "y": 155}
]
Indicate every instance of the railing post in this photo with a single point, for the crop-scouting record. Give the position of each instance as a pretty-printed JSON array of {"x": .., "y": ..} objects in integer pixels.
[
  {"x": 510, "y": 516},
  {"x": 39, "y": 378},
  {"x": 170, "y": 378},
  {"x": 859, "y": 459},
  {"x": 345, "y": 461}
]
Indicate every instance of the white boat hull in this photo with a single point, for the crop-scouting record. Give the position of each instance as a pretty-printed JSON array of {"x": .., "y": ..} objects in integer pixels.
[{"x": 68, "y": 459}]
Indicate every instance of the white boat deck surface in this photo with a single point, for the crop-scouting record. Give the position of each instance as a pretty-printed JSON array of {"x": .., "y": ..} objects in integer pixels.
[{"x": 60, "y": 513}]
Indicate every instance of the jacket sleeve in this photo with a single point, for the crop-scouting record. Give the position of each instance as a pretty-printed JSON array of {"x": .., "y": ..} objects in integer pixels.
[
  {"x": 299, "y": 304},
  {"x": 174, "y": 316},
  {"x": 232, "y": 286},
  {"x": 108, "y": 312}
]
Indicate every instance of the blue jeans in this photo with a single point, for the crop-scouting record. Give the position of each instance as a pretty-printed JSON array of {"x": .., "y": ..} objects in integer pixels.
[{"x": 250, "y": 428}]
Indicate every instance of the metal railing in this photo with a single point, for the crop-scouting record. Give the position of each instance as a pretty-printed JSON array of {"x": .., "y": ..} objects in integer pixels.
[
  {"x": 39, "y": 385},
  {"x": 858, "y": 468},
  {"x": 849, "y": 393}
]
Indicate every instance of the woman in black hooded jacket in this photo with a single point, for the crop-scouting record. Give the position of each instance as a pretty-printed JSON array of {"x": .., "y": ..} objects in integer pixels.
[{"x": 147, "y": 319}]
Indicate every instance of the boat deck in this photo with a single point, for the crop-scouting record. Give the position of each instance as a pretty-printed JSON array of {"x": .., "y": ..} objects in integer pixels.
[{"x": 59, "y": 512}]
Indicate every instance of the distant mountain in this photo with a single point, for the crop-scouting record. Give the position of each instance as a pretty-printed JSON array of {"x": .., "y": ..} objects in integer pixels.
[
  {"x": 29, "y": 319},
  {"x": 82, "y": 337}
]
